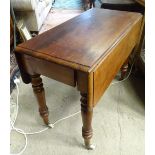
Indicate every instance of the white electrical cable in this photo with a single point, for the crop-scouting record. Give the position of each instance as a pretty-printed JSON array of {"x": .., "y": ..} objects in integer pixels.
[
  {"x": 65, "y": 118},
  {"x": 17, "y": 105},
  {"x": 21, "y": 132},
  {"x": 50, "y": 125},
  {"x": 32, "y": 133},
  {"x": 13, "y": 122}
]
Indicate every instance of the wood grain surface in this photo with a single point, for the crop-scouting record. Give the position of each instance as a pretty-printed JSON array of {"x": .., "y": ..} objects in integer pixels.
[{"x": 83, "y": 40}]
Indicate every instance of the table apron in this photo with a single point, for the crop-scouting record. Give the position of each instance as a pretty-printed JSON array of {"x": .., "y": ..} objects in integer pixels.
[{"x": 52, "y": 70}]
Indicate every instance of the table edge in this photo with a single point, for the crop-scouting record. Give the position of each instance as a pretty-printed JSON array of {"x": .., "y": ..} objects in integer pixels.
[{"x": 56, "y": 60}]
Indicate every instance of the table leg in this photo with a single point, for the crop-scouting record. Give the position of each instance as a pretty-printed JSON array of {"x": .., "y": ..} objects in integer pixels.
[
  {"x": 87, "y": 113},
  {"x": 38, "y": 90},
  {"x": 124, "y": 70}
]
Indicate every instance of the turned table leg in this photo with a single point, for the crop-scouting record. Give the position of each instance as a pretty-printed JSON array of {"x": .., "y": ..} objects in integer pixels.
[
  {"x": 124, "y": 70},
  {"x": 87, "y": 113},
  {"x": 38, "y": 90}
]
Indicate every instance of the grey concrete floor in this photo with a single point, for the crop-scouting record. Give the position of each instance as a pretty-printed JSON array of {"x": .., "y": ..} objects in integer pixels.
[{"x": 118, "y": 121}]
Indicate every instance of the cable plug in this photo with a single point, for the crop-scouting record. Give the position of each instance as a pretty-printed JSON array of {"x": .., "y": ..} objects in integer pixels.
[{"x": 16, "y": 80}]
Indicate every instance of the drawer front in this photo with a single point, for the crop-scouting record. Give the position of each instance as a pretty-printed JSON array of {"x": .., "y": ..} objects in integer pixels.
[{"x": 49, "y": 69}]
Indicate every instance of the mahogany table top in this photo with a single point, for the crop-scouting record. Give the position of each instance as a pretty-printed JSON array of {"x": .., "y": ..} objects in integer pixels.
[{"x": 82, "y": 41}]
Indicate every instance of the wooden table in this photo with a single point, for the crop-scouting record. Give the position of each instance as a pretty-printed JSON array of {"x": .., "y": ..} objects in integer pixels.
[{"x": 86, "y": 51}]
